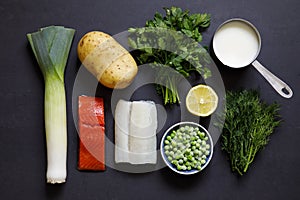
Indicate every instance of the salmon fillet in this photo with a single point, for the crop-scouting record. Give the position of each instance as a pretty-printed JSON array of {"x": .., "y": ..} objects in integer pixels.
[{"x": 91, "y": 133}]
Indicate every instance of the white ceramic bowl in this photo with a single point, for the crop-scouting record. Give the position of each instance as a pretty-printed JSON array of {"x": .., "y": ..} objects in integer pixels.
[{"x": 172, "y": 166}]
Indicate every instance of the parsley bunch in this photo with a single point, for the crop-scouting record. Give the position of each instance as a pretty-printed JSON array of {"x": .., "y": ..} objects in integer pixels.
[{"x": 172, "y": 41}]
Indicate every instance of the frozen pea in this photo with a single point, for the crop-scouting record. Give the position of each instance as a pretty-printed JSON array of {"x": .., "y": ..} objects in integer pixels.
[
  {"x": 203, "y": 149},
  {"x": 171, "y": 153},
  {"x": 172, "y": 135},
  {"x": 173, "y": 143},
  {"x": 206, "y": 153},
  {"x": 203, "y": 161},
  {"x": 174, "y": 162},
  {"x": 202, "y": 135}
]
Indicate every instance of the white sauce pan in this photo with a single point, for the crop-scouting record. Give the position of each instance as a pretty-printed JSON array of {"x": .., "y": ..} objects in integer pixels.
[{"x": 237, "y": 43}]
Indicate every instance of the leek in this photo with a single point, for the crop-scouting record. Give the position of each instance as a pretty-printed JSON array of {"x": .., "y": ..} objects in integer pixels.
[{"x": 51, "y": 46}]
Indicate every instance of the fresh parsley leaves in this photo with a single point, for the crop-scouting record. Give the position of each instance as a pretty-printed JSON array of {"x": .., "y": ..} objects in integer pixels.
[{"x": 172, "y": 41}]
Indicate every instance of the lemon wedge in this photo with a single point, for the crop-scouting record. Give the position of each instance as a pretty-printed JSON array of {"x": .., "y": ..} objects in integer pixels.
[{"x": 201, "y": 100}]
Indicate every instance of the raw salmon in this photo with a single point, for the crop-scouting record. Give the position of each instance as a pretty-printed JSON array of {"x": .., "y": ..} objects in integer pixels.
[{"x": 91, "y": 133}]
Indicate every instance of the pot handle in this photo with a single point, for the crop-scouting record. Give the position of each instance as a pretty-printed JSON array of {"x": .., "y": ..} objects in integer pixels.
[{"x": 281, "y": 87}]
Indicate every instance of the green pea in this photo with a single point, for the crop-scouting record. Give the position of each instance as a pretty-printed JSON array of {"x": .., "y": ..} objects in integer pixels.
[
  {"x": 206, "y": 152},
  {"x": 202, "y": 135},
  {"x": 175, "y": 162},
  {"x": 179, "y": 167}
]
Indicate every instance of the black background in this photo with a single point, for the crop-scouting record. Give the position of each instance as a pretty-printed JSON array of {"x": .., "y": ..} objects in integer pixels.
[{"x": 275, "y": 172}]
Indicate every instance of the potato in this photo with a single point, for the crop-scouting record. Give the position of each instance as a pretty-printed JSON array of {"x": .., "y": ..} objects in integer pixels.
[{"x": 107, "y": 60}]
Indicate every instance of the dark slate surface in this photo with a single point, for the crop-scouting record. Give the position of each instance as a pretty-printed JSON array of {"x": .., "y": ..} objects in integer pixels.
[{"x": 275, "y": 172}]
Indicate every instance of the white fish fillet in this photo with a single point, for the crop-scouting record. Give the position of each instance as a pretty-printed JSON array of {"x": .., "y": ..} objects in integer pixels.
[
  {"x": 122, "y": 114},
  {"x": 135, "y": 132}
]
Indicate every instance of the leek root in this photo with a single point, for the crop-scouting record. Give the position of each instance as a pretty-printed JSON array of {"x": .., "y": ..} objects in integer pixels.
[{"x": 51, "y": 46}]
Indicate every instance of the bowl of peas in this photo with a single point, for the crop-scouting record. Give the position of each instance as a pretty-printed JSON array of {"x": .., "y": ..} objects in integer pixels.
[{"x": 186, "y": 148}]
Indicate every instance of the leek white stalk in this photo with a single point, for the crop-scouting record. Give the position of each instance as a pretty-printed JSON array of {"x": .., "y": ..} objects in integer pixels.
[{"x": 51, "y": 46}]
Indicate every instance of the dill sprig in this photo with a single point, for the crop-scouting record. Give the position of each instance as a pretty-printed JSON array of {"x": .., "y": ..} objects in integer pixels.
[{"x": 249, "y": 122}]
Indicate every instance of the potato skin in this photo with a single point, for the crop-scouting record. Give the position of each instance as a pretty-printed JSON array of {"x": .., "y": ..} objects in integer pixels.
[{"x": 107, "y": 60}]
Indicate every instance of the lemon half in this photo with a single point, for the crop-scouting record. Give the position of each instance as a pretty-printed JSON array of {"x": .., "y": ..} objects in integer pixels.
[{"x": 201, "y": 100}]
